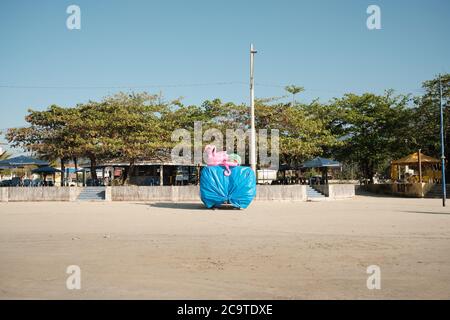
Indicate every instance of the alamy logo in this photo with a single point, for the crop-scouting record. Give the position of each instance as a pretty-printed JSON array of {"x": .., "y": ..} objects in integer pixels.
[
  {"x": 374, "y": 20},
  {"x": 189, "y": 144},
  {"x": 73, "y": 282},
  {"x": 374, "y": 280},
  {"x": 73, "y": 21}
]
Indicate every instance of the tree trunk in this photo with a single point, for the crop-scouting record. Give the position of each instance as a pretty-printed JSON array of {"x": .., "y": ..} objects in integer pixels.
[
  {"x": 93, "y": 168},
  {"x": 128, "y": 173},
  {"x": 63, "y": 171},
  {"x": 365, "y": 170},
  {"x": 370, "y": 169},
  {"x": 75, "y": 164}
]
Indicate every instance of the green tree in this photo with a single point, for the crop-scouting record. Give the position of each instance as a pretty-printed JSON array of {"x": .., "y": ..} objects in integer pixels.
[
  {"x": 302, "y": 135},
  {"x": 135, "y": 128},
  {"x": 48, "y": 134},
  {"x": 373, "y": 129},
  {"x": 292, "y": 89},
  {"x": 125, "y": 126},
  {"x": 426, "y": 118}
]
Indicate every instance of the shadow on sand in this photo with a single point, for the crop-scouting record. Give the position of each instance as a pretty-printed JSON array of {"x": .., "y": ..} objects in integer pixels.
[
  {"x": 375, "y": 195},
  {"x": 427, "y": 212},
  {"x": 188, "y": 206}
]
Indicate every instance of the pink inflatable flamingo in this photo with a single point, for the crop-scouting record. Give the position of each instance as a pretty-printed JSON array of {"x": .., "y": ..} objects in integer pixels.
[
  {"x": 215, "y": 158},
  {"x": 219, "y": 158}
]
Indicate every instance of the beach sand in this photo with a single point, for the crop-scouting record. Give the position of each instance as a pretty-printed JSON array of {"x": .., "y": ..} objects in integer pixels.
[{"x": 272, "y": 250}]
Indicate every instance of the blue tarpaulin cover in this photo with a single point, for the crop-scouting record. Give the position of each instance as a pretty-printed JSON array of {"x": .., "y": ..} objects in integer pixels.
[{"x": 238, "y": 189}]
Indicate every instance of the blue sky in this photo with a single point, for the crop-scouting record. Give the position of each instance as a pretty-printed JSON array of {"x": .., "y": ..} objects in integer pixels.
[{"x": 322, "y": 45}]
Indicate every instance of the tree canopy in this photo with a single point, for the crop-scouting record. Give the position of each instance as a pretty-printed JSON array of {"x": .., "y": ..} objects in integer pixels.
[
  {"x": 373, "y": 129},
  {"x": 366, "y": 130}
]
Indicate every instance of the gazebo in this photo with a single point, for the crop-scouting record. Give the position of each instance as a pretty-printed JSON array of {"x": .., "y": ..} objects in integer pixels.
[
  {"x": 21, "y": 162},
  {"x": 45, "y": 171},
  {"x": 323, "y": 164},
  {"x": 427, "y": 167}
]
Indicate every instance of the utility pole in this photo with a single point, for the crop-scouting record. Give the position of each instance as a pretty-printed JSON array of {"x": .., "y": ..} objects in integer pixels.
[
  {"x": 442, "y": 144},
  {"x": 252, "y": 114}
]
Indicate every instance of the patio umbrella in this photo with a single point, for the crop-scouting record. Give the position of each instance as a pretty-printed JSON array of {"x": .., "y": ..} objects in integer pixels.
[
  {"x": 46, "y": 170},
  {"x": 323, "y": 164},
  {"x": 320, "y": 162}
]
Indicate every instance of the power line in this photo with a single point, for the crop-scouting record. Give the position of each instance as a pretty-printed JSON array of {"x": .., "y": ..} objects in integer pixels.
[
  {"x": 185, "y": 85},
  {"x": 125, "y": 86}
]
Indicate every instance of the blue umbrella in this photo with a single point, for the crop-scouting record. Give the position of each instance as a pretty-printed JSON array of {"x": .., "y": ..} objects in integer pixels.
[
  {"x": 320, "y": 162},
  {"x": 46, "y": 170}
]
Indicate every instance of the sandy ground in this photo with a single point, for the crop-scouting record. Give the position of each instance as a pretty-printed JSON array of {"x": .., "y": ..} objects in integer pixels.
[{"x": 272, "y": 250}]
